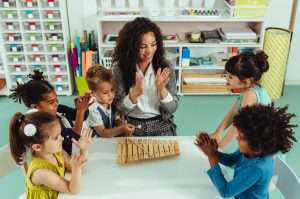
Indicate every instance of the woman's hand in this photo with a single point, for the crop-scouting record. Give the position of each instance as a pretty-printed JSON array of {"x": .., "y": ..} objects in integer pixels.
[
  {"x": 138, "y": 88},
  {"x": 85, "y": 140},
  {"x": 162, "y": 78}
]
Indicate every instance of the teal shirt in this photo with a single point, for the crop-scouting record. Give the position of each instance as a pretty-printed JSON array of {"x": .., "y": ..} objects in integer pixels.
[
  {"x": 261, "y": 93},
  {"x": 251, "y": 176}
]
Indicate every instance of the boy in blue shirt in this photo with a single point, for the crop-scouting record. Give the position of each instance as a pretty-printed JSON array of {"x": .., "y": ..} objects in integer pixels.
[{"x": 262, "y": 132}]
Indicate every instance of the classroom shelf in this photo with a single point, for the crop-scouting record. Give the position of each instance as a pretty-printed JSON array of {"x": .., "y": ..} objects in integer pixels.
[
  {"x": 34, "y": 34},
  {"x": 112, "y": 18}
]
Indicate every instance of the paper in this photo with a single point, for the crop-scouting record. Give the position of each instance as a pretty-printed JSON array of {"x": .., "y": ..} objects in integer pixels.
[{"x": 204, "y": 80}]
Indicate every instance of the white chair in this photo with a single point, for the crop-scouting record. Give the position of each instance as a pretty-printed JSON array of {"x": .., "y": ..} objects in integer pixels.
[
  {"x": 7, "y": 164},
  {"x": 286, "y": 180}
]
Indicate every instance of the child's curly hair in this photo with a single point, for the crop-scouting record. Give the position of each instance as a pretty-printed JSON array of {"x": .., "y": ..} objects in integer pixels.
[
  {"x": 33, "y": 91},
  {"x": 266, "y": 128}
]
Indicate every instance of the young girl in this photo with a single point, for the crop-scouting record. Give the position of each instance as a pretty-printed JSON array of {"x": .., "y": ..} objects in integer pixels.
[
  {"x": 262, "y": 132},
  {"x": 39, "y": 94},
  {"x": 243, "y": 73},
  {"x": 40, "y": 133},
  {"x": 102, "y": 114}
]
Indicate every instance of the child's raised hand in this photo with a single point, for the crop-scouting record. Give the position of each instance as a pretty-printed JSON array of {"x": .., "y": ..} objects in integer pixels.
[
  {"x": 216, "y": 135},
  {"x": 208, "y": 145},
  {"x": 85, "y": 139},
  {"x": 82, "y": 103}
]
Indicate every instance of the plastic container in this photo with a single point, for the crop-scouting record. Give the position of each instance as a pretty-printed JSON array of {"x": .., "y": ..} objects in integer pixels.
[
  {"x": 38, "y": 67},
  {"x": 134, "y": 4},
  {"x": 58, "y": 68},
  {"x": 185, "y": 58},
  {"x": 106, "y": 4},
  {"x": 106, "y": 62},
  {"x": 17, "y": 68},
  {"x": 120, "y": 3},
  {"x": 246, "y": 11},
  {"x": 33, "y": 37}
]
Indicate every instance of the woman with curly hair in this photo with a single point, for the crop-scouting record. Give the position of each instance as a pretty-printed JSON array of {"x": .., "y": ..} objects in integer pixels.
[
  {"x": 262, "y": 132},
  {"x": 145, "y": 81}
]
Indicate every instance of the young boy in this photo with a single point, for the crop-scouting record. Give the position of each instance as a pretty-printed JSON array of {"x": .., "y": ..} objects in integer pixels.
[
  {"x": 102, "y": 114},
  {"x": 262, "y": 132}
]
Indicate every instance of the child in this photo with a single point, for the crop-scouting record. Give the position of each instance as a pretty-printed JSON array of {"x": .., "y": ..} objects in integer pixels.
[
  {"x": 243, "y": 73},
  {"x": 39, "y": 94},
  {"x": 102, "y": 113},
  {"x": 262, "y": 132},
  {"x": 40, "y": 133}
]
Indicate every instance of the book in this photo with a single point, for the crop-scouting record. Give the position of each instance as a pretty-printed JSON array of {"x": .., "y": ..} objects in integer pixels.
[
  {"x": 211, "y": 36},
  {"x": 237, "y": 33}
]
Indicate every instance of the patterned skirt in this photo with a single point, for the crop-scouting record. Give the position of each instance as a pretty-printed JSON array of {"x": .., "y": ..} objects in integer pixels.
[{"x": 155, "y": 126}]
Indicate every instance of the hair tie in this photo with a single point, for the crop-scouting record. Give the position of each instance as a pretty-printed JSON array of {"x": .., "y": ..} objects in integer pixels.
[
  {"x": 30, "y": 130},
  {"x": 20, "y": 120}
]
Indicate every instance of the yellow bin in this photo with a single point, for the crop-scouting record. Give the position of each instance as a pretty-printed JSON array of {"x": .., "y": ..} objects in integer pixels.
[{"x": 81, "y": 85}]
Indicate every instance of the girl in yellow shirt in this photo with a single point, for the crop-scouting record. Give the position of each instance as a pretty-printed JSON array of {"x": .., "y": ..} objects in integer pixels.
[{"x": 40, "y": 133}]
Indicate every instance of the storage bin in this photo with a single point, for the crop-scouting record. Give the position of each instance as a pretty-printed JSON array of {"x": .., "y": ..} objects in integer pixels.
[
  {"x": 245, "y": 11},
  {"x": 250, "y": 2},
  {"x": 106, "y": 62}
]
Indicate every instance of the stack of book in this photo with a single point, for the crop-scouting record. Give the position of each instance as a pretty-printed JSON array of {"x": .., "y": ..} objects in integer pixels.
[{"x": 238, "y": 35}]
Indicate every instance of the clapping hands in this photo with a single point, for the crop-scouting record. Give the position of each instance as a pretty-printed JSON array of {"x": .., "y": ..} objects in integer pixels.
[
  {"x": 85, "y": 140},
  {"x": 162, "y": 78},
  {"x": 208, "y": 145}
]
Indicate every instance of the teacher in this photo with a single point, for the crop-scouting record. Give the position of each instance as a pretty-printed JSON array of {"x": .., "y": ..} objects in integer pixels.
[{"x": 145, "y": 82}]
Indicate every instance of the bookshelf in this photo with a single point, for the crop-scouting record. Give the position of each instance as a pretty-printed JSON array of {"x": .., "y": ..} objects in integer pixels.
[
  {"x": 34, "y": 35},
  {"x": 181, "y": 25}
]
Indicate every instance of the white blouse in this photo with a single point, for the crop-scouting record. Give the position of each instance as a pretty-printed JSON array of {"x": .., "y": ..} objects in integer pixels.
[{"x": 147, "y": 103}]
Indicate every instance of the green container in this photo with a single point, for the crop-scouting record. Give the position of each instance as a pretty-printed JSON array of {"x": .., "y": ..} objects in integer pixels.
[
  {"x": 251, "y": 2},
  {"x": 81, "y": 85}
]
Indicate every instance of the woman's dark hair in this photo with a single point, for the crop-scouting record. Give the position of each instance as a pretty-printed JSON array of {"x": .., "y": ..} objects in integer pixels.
[
  {"x": 127, "y": 48},
  {"x": 248, "y": 65},
  {"x": 266, "y": 128},
  {"x": 18, "y": 141},
  {"x": 33, "y": 91}
]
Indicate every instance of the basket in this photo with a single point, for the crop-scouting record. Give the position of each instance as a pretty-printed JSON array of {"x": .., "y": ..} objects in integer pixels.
[
  {"x": 246, "y": 10},
  {"x": 106, "y": 62}
]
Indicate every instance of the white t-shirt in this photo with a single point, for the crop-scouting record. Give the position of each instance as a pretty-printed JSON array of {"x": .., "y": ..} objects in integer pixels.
[{"x": 94, "y": 117}]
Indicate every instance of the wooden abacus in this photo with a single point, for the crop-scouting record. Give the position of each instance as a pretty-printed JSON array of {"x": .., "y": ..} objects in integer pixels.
[{"x": 132, "y": 150}]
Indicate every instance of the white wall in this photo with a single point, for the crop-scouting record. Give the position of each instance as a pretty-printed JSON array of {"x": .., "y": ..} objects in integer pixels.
[{"x": 82, "y": 16}]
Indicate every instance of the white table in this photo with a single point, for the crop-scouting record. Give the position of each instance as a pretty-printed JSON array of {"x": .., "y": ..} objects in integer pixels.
[{"x": 177, "y": 178}]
